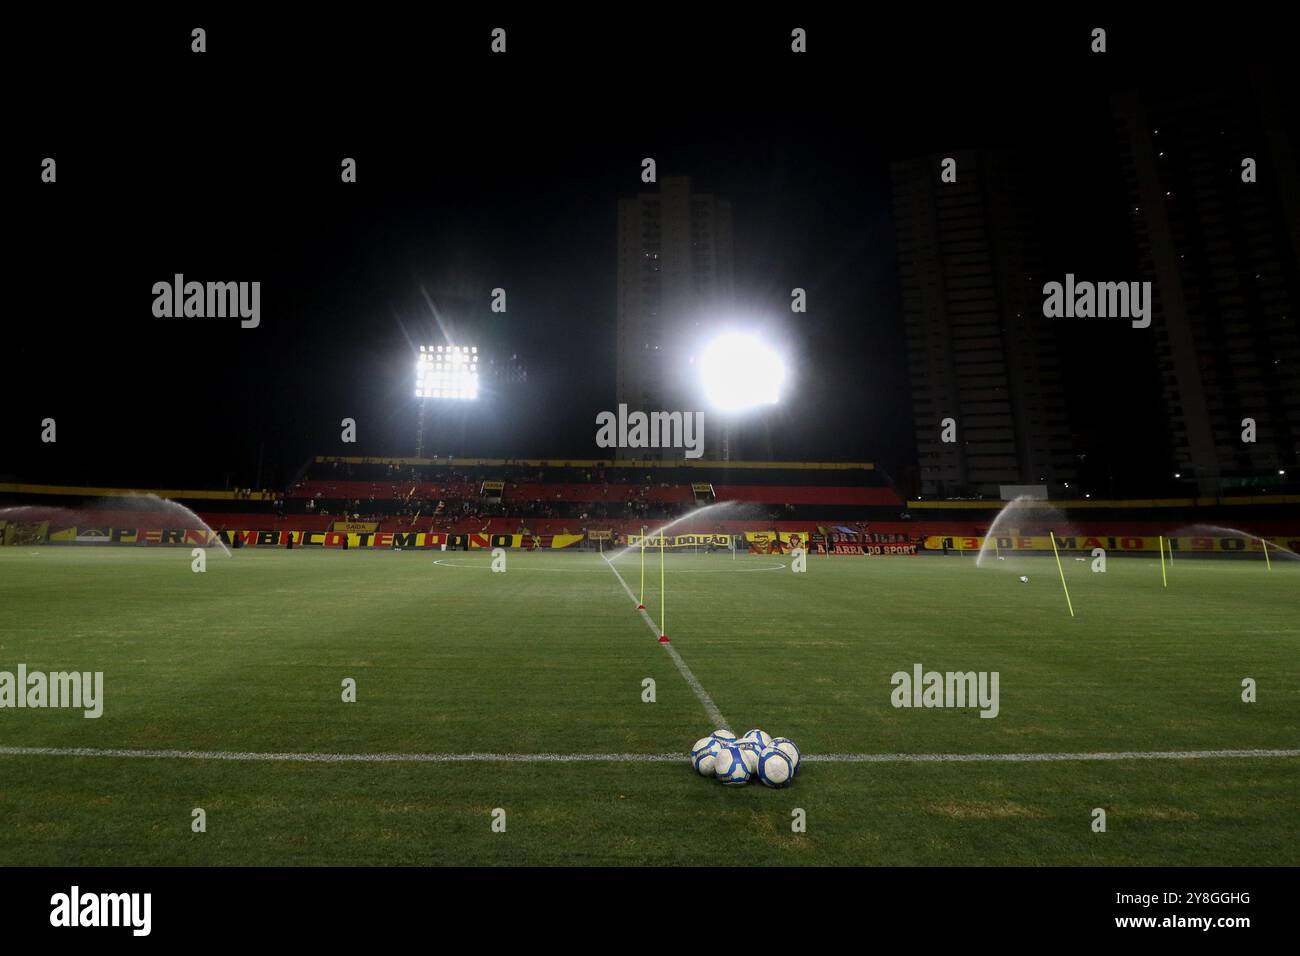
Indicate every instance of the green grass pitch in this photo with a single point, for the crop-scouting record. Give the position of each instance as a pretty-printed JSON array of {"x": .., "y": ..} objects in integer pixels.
[{"x": 550, "y": 656}]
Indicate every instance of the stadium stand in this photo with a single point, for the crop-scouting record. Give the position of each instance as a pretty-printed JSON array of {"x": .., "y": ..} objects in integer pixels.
[{"x": 619, "y": 497}]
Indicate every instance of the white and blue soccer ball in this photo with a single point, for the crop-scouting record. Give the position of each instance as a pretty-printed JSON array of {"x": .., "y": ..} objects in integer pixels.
[
  {"x": 723, "y": 737},
  {"x": 787, "y": 747},
  {"x": 749, "y": 752},
  {"x": 704, "y": 756},
  {"x": 1024, "y": 579},
  {"x": 757, "y": 737},
  {"x": 730, "y": 767},
  {"x": 775, "y": 768}
]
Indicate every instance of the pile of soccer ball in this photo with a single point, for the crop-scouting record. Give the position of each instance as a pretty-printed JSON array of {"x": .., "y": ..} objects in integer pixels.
[{"x": 774, "y": 760}]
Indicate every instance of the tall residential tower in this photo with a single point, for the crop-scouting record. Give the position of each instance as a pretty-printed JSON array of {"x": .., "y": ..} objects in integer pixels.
[{"x": 674, "y": 277}]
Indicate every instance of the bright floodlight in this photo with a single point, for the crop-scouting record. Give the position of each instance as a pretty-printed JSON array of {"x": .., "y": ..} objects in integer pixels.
[
  {"x": 447, "y": 371},
  {"x": 741, "y": 372}
]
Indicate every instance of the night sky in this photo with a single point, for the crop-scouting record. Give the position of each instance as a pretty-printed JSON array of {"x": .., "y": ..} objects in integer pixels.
[{"x": 478, "y": 171}]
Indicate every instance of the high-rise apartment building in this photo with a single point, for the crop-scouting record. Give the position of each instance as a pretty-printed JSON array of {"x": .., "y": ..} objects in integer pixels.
[
  {"x": 1223, "y": 255},
  {"x": 674, "y": 278},
  {"x": 979, "y": 349}
]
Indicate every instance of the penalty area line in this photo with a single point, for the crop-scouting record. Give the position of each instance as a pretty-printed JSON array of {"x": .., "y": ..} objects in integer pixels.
[
  {"x": 710, "y": 708},
  {"x": 258, "y": 757}
]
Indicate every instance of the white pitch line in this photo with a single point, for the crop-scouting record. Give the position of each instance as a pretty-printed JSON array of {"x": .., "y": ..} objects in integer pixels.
[
  {"x": 258, "y": 757},
  {"x": 710, "y": 708},
  {"x": 1050, "y": 757},
  {"x": 253, "y": 756}
]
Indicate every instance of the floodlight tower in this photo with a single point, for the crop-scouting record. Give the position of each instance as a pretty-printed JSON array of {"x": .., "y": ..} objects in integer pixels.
[
  {"x": 739, "y": 373},
  {"x": 444, "y": 373}
]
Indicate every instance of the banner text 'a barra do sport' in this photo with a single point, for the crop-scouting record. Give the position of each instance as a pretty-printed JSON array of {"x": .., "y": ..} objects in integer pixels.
[{"x": 1226, "y": 544}]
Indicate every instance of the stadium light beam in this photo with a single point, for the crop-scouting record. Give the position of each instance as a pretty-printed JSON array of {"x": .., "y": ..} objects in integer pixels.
[{"x": 740, "y": 372}]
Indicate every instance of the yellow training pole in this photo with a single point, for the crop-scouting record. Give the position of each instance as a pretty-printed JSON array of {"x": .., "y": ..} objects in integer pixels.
[
  {"x": 663, "y": 601},
  {"x": 1267, "y": 561},
  {"x": 640, "y": 606},
  {"x": 1068, "y": 602},
  {"x": 997, "y": 552},
  {"x": 1163, "y": 579}
]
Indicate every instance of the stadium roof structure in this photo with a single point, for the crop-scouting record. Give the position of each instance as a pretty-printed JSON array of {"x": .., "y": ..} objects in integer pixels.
[
  {"x": 940, "y": 504},
  {"x": 90, "y": 491},
  {"x": 607, "y": 463}
]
